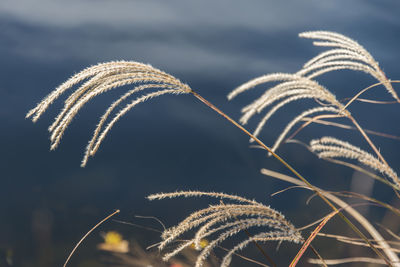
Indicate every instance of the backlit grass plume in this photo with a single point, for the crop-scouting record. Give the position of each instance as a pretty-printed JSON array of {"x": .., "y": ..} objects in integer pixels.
[
  {"x": 221, "y": 221},
  {"x": 99, "y": 79},
  {"x": 330, "y": 147},
  {"x": 345, "y": 54},
  {"x": 292, "y": 88}
]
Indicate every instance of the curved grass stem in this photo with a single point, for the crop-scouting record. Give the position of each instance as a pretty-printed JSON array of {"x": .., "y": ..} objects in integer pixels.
[
  {"x": 309, "y": 185},
  {"x": 351, "y": 211},
  {"x": 88, "y": 233}
]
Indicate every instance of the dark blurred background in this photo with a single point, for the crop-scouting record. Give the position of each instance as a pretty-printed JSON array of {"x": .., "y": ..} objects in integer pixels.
[{"x": 47, "y": 202}]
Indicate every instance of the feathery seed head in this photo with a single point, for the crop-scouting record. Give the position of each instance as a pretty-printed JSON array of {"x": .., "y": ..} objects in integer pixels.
[
  {"x": 219, "y": 222},
  {"x": 292, "y": 87},
  {"x": 97, "y": 80},
  {"x": 330, "y": 147},
  {"x": 345, "y": 54}
]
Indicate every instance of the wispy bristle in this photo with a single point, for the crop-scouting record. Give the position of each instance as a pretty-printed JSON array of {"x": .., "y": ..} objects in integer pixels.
[
  {"x": 330, "y": 147},
  {"x": 345, "y": 54},
  {"x": 225, "y": 220},
  {"x": 97, "y": 80},
  {"x": 292, "y": 88}
]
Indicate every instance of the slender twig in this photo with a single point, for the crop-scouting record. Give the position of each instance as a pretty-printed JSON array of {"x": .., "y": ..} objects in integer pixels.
[
  {"x": 390, "y": 232},
  {"x": 371, "y": 101},
  {"x": 244, "y": 257},
  {"x": 311, "y": 238},
  {"x": 322, "y": 261},
  {"x": 364, "y": 171},
  {"x": 349, "y": 239},
  {"x": 366, "y": 198},
  {"x": 366, "y": 89},
  {"x": 350, "y": 165},
  {"x": 91, "y": 230},
  {"x": 364, "y": 134},
  {"x": 154, "y": 218},
  {"x": 138, "y": 226},
  {"x": 348, "y": 127},
  {"x": 158, "y": 231},
  {"x": 361, "y": 130},
  {"x": 269, "y": 259},
  {"x": 352, "y": 119},
  {"x": 348, "y": 260},
  {"x": 313, "y": 119}
]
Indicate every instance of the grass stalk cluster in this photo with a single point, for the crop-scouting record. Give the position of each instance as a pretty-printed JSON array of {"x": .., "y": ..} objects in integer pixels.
[{"x": 219, "y": 222}]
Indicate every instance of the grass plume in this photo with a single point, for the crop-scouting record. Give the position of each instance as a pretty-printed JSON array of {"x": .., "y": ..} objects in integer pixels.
[
  {"x": 224, "y": 221},
  {"x": 97, "y": 80},
  {"x": 345, "y": 54},
  {"x": 219, "y": 222},
  {"x": 330, "y": 147}
]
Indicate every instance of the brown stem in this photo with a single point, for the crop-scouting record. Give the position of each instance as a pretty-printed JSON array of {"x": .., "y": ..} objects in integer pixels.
[
  {"x": 313, "y": 119},
  {"x": 348, "y": 127},
  {"x": 352, "y": 226},
  {"x": 318, "y": 255},
  {"x": 367, "y": 139},
  {"x": 91, "y": 230},
  {"x": 269, "y": 259},
  {"x": 352, "y": 212}
]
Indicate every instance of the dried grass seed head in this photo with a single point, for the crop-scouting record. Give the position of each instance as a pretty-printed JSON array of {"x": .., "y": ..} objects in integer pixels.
[
  {"x": 330, "y": 147},
  {"x": 292, "y": 87},
  {"x": 97, "y": 80},
  {"x": 345, "y": 53},
  {"x": 224, "y": 220}
]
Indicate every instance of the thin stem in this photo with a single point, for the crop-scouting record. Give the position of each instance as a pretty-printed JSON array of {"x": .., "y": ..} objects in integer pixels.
[
  {"x": 350, "y": 165},
  {"x": 350, "y": 194},
  {"x": 245, "y": 258},
  {"x": 269, "y": 259},
  {"x": 358, "y": 126},
  {"x": 313, "y": 188},
  {"x": 361, "y": 130},
  {"x": 379, "y": 102},
  {"x": 372, "y": 146},
  {"x": 366, "y": 89},
  {"x": 314, "y": 119},
  {"x": 91, "y": 230},
  {"x": 364, "y": 171},
  {"x": 348, "y": 127},
  {"x": 314, "y": 233},
  {"x": 353, "y": 212},
  {"x": 318, "y": 255},
  {"x": 367, "y": 139}
]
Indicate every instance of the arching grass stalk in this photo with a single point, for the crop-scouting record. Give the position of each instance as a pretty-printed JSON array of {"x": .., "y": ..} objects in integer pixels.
[
  {"x": 349, "y": 165},
  {"x": 289, "y": 167},
  {"x": 353, "y": 121},
  {"x": 350, "y": 210},
  {"x": 88, "y": 233}
]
